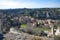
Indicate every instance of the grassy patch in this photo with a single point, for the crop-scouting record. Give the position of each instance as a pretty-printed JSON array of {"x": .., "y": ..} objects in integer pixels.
[
  {"x": 45, "y": 29},
  {"x": 38, "y": 29},
  {"x": 23, "y": 26}
]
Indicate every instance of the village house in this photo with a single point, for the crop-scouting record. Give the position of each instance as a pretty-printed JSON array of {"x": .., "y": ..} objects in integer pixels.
[{"x": 57, "y": 31}]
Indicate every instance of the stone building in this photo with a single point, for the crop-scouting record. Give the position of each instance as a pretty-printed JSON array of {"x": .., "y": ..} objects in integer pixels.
[{"x": 57, "y": 31}]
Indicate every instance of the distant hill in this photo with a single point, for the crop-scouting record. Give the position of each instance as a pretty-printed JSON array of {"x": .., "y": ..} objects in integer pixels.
[{"x": 39, "y": 13}]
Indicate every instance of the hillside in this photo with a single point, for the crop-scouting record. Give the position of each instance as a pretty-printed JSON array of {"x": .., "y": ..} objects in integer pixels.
[{"x": 39, "y": 13}]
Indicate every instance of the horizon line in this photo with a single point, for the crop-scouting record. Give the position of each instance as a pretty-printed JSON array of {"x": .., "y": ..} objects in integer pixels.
[{"x": 29, "y": 8}]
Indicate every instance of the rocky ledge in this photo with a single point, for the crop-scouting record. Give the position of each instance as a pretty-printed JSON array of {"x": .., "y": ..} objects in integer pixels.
[{"x": 22, "y": 36}]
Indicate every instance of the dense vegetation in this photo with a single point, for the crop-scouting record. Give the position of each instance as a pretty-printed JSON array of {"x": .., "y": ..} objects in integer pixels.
[{"x": 39, "y": 13}]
